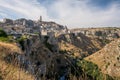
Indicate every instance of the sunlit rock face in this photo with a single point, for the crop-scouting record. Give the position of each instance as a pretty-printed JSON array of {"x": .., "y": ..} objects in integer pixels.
[
  {"x": 101, "y": 33},
  {"x": 78, "y": 44}
]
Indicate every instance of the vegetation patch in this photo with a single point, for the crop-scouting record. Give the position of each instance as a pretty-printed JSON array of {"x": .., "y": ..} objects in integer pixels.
[
  {"x": 1, "y": 76},
  {"x": 63, "y": 51},
  {"x": 21, "y": 41},
  {"x": 3, "y": 33},
  {"x": 104, "y": 41},
  {"x": 107, "y": 65},
  {"x": 90, "y": 71},
  {"x": 4, "y": 37}
]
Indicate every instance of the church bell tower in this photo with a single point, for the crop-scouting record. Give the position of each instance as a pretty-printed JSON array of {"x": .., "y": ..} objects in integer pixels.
[{"x": 40, "y": 19}]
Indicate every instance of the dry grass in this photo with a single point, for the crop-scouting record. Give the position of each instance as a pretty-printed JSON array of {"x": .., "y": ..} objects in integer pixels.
[
  {"x": 9, "y": 48},
  {"x": 107, "y": 60},
  {"x": 10, "y": 71},
  {"x": 64, "y": 46}
]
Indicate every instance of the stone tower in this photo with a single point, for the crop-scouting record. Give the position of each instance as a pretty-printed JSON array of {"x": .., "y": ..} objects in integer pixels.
[
  {"x": 24, "y": 23},
  {"x": 40, "y": 18}
]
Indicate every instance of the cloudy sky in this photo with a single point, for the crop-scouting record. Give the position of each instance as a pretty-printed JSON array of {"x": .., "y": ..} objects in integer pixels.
[{"x": 73, "y": 13}]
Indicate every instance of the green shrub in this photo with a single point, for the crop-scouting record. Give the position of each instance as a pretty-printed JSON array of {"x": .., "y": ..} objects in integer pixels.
[
  {"x": 63, "y": 51},
  {"x": 119, "y": 45},
  {"x": 21, "y": 41},
  {"x": 1, "y": 76},
  {"x": 91, "y": 71},
  {"x": 118, "y": 58},
  {"x": 2, "y": 33},
  {"x": 98, "y": 33},
  {"x": 107, "y": 64},
  {"x": 4, "y": 37}
]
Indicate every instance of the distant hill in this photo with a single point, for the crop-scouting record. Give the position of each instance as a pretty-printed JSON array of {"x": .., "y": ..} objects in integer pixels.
[
  {"x": 104, "y": 35},
  {"x": 108, "y": 58}
]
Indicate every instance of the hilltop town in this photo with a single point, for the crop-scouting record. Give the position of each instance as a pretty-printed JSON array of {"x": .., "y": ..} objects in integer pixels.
[{"x": 24, "y": 27}]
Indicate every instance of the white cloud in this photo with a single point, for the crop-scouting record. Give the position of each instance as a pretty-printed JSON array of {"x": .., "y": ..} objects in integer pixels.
[
  {"x": 82, "y": 15},
  {"x": 67, "y": 12},
  {"x": 29, "y": 9}
]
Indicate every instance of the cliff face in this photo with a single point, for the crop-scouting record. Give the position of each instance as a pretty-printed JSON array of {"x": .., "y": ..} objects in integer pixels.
[
  {"x": 35, "y": 56},
  {"x": 78, "y": 45},
  {"x": 40, "y": 61},
  {"x": 105, "y": 35},
  {"x": 108, "y": 58}
]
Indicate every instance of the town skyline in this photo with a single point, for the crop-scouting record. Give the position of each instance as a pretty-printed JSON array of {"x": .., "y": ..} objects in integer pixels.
[{"x": 74, "y": 14}]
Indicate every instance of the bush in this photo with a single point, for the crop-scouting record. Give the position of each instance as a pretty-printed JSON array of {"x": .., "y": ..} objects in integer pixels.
[
  {"x": 2, "y": 33},
  {"x": 118, "y": 58},
  {"x": 1, "y": 76},
  {"x": 4, "y": 39},
  {"x": 90, "y": 70},
  {"x": 21, "y": 41},
  {"x": 3, "y": 36},
  {"x": 62, "y": 51},
  {"x": 98, "y": 33}
]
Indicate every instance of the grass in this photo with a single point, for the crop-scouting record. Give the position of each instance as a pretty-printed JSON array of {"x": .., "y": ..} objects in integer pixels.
[
  {"x": 6, "y": 39},
  {"x": 8, "y": 71},
  {"x": 9, "y": 48}
]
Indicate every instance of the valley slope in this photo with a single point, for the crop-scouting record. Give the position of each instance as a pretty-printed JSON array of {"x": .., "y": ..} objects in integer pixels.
[{"x": 108, "y": 58}]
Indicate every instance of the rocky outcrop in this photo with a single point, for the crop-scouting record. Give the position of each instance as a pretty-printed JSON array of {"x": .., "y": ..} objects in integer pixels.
[
  {"x": 78, "y": 44},
  {"x": 40, "y": 61},
  {"x": 104, "y": 34}
]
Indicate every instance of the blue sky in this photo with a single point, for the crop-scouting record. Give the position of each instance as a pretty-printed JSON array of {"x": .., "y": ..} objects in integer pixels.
[{"x": 73, "y": 13}]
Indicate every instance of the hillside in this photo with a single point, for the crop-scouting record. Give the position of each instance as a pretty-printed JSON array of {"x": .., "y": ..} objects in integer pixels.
[
  {"x": 9, "y": 71},
  {"x": 108, "y": 58},
  {"x": 78, "y": 45},
  {"x": 105, "y": 35}
]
